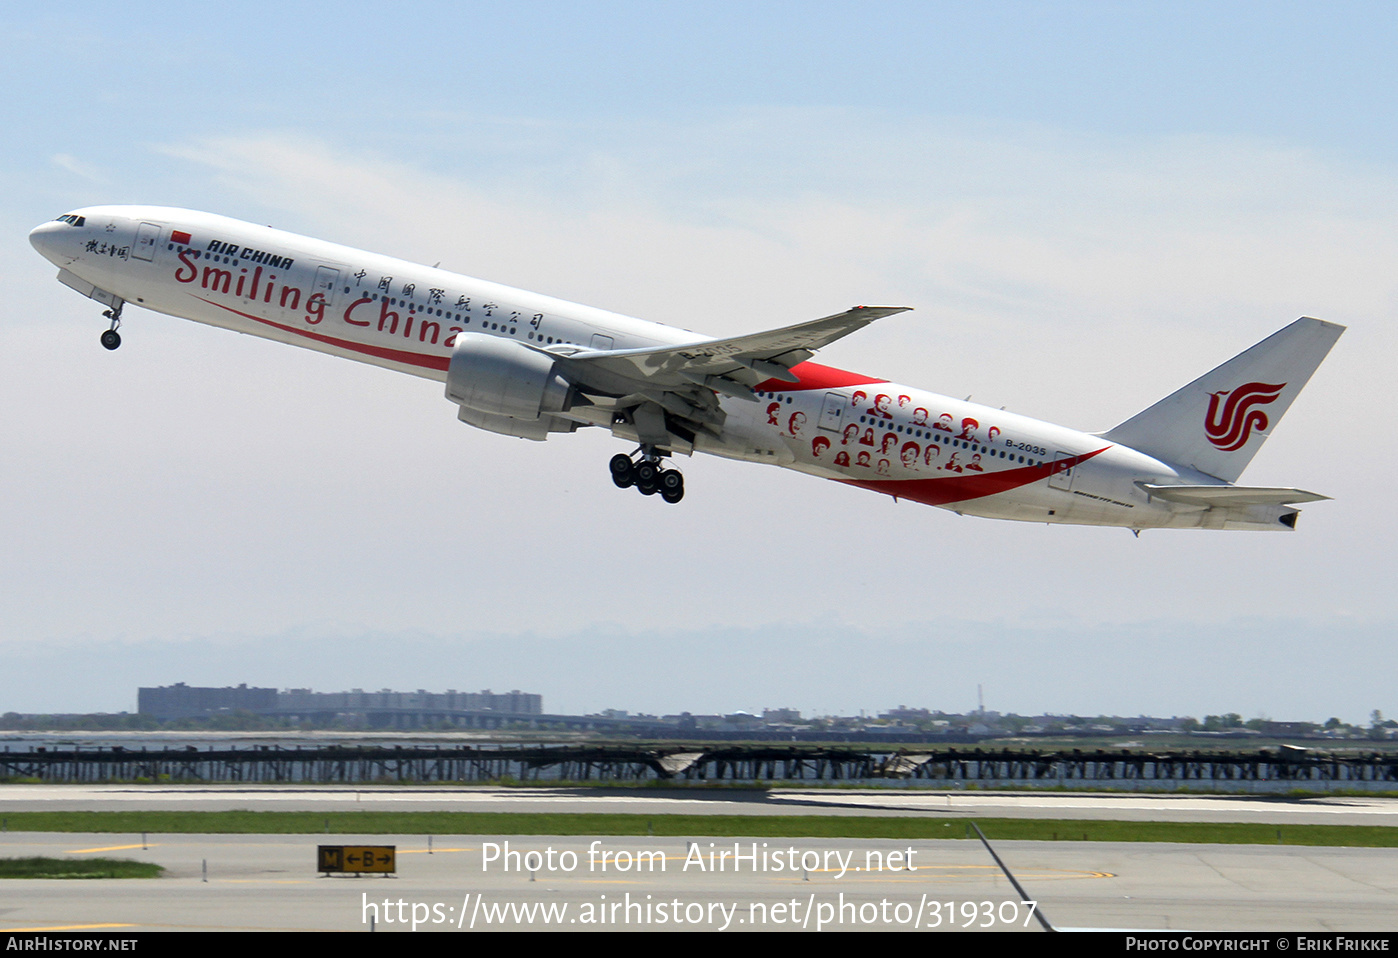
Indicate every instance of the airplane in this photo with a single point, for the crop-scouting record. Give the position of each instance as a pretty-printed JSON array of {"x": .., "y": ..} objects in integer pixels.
[{"x": 528, "y": 365}]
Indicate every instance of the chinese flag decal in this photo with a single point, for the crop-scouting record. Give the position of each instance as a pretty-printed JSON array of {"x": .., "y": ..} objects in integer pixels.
[{"x": 179, "y": 236}]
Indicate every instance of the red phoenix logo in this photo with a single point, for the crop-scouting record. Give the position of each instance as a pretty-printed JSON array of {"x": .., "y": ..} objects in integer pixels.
[{"x": 1229, "y": 427}]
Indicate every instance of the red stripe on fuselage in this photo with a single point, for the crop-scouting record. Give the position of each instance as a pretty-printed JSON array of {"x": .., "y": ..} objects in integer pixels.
[
  {"x": 380, "y": 352},
  {"x": 961, "y": 487},
  {"x": 816, "y": 376}
]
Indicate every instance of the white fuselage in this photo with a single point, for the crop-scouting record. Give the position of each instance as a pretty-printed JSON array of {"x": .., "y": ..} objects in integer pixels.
[{"x": 895, "y": 439}]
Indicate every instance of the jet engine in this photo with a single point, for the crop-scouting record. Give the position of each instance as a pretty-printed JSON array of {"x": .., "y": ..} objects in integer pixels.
[{"x": 506, "y": 387}]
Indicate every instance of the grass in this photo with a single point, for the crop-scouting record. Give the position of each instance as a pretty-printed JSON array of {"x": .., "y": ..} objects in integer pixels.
[
  {"x": 77, "y": 868},
  {"x": 689, "y": 826}
]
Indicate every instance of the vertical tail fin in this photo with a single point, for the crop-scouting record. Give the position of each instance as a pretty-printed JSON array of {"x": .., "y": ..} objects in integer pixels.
[{"x": 1217, "y": 423}]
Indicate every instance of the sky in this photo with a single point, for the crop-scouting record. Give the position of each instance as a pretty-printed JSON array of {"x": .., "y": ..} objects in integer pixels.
[{"x": 1086, "y": 204}]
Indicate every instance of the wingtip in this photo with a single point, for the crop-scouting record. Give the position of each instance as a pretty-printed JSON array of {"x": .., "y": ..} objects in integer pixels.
[
  {"x": 882, "y": 310},
  {"x": 1324, "y": 322}
]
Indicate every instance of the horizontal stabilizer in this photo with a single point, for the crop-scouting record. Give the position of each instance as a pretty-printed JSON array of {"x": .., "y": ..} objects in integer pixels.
[{"x": 1231, "y": 495}]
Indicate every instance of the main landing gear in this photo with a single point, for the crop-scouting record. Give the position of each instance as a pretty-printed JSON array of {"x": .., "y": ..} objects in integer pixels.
[
  {"x": 111, "y": 339},
  {"x": 648, "y": 476}
]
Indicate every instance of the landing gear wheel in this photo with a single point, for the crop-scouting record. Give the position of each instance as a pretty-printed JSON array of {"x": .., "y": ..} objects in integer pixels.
[
  {"x": 643, "y": 470},
  {"x": 111, "y": 339},
  {"x": 671, "y": 485},
  {"x": 623, "y": 473}
]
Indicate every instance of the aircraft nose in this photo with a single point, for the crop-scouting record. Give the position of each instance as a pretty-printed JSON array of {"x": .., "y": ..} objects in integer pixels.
[{"x": 48, "y": 239}]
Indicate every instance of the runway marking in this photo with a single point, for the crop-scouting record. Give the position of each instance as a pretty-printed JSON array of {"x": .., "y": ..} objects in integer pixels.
[
  {"x": 6, "y": 931},
  {"x": 119, "y": 848},
  {"x": 902, "y": 875},
  {"x": 897, "y": 875},
  {"x": 202, "y": 927},
  {"x": 888, "y": 874}
]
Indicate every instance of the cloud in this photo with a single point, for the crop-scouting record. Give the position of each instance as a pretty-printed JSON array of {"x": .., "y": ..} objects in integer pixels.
[
  {"x": 1014, "y": 222},
  {"x": 78, "y": 168},
  {"x": 1029, "y": 253}
]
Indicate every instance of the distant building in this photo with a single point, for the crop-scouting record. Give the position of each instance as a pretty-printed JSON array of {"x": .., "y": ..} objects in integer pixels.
[
  {"x": 187, "y": 701},
  {"x": 788, "y": 716},
  {"x": 514, "y": 702},
  {"x": 384, "y": 708},
  {"x": 904, "y": 714}
]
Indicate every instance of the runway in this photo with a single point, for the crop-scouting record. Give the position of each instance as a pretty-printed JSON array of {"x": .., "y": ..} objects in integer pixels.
[
  {"x": 269, "y": 882},
  {"x": 718, "y": 801}
]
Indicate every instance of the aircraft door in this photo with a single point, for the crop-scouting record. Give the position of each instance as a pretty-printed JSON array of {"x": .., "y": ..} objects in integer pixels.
[
  {"x": 147, "y": 236},
  {"x": 326, "y": 278},
  {"x": 601, "y": 341},
  {"x": 1062, "y": 480},
  {"x": 832, "y": 414}
]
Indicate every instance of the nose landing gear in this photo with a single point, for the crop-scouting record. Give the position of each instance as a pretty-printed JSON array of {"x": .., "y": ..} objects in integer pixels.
[
  {"x": 111, "y": 339},
  {"x": 648, "y": 476}
]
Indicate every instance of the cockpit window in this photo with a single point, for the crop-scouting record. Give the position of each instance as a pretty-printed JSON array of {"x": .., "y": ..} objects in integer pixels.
[{"x": 71, "y": 219}]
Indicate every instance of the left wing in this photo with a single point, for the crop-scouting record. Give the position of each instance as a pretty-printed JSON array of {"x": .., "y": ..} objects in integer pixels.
[
  {"x": 745, "y": 360},
  {"x": 666, "y": 383}
]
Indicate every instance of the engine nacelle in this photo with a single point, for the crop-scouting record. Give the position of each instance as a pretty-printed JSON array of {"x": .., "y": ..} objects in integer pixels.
[
  {"x": 499, "y": 377},
  {"x": 535, "y": 429}
]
